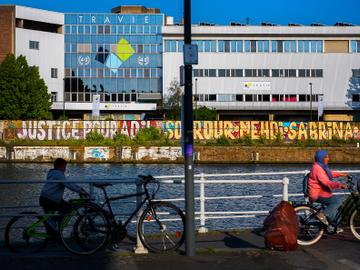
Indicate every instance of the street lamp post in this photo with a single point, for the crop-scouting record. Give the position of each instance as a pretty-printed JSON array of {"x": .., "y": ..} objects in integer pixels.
[
  {"x": 196, "y": 98},
  {"x": 310, "y": 84},
  {"x": 188, "y": 139}
]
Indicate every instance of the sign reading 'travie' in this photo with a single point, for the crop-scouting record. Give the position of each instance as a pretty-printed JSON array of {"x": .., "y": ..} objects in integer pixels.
[{"x": 257, "y": 86}]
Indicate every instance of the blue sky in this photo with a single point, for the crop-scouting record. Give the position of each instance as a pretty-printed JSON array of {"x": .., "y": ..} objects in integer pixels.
[{"x": 223, "y": 12}]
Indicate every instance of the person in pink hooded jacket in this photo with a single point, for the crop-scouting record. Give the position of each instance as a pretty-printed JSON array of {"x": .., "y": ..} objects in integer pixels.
[{"x": 321, "y": 185}]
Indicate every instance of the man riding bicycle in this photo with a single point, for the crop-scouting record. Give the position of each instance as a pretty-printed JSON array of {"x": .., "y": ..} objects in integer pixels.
[
  {"x": 321, "y": 186},
  {"x": 51, "y": 197}
]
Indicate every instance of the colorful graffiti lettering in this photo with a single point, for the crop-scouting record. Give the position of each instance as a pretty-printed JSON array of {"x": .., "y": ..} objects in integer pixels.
[{"x": 203, "y": 130}]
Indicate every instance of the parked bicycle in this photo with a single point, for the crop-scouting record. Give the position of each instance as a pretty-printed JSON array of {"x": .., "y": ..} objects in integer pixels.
[
  {"x": 30, "y": 232},
  {"x": 311, "y": 228},
  {"x": 88, "y": 227}
]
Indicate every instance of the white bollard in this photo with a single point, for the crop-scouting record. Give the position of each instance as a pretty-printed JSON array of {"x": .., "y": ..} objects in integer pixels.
[
  {"x": 139, "y": 248},
  {"x": 202, "y": 228},
  {"x": 285, "y": 189}
]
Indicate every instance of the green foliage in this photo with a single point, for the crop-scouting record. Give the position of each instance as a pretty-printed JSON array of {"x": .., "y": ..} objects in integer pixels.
[
  {"x": 248, "y": 140},
  {"x": 299, "y": 143},
  {"x": 279, "y": 138},
  {"x": 121, "y": 139},
  {"x": 223, "y": 140},
  {"x": 205, "y": 114},
  {"x": 173, "y": 101},
  {"x": 310, "y": 142},
  {"x": 97, "y": 139},
  {"x": 63, "y": 118},
  {"x": 23, "y": 94},
  {"x": 337, "y": 140},
  {"x": 262, "y": 139},
  {"x": 146, "y": 135}
]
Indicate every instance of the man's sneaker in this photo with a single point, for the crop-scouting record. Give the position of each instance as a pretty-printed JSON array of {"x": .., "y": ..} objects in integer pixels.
[
  {"x": 323, "y": 219},
  {"x": 339, "y": 230}
]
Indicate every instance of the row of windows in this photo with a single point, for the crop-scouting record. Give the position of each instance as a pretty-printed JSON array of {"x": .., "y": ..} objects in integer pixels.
[
  {"x": 113, "y": 19},
  {"x": 104, "y": 97},
  {"x": 258, "y": 73},
  {"x": 112, "y": 29},
  {"x": 94, "y": 48},
  {"x": 255, "y": 98},
  {"x": 250, "y": 46},
  {"x": 135, "y": 39},
  {"x": 120, "y": 73},
  {"x": 147, "y": 85}
]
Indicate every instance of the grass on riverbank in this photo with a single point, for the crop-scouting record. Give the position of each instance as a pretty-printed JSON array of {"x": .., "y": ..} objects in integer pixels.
[{"x": 154, "y": 137}]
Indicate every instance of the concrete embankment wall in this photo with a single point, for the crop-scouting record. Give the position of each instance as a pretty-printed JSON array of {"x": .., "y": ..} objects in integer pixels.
[{"x": 204, "y": 154}]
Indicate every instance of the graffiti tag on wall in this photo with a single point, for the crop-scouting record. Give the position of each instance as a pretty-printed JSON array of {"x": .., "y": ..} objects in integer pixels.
[{"x": 203, "y": 130}]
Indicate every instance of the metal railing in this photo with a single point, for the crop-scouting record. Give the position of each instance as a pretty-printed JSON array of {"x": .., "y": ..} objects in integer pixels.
[{"x": 201, "y": 180}]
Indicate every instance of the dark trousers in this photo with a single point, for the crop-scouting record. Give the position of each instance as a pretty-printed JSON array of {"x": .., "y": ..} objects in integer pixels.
[{"x": 51, "y": 206}]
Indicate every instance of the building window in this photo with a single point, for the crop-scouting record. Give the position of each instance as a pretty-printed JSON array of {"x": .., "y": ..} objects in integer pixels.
[
  {"x": 304, "y": 98},
  {"x": 210, "y": 97},
  {"x": 34, "y": 45},
  {"x": 277, "y": 46},
  {"x": 250, "y": 46},
  {"x": 54, "y": 73},
  {"x": 263, "y": 45},
  {"x": 290, "y": 46},
  {"x": 277, "y": 98},
  {"x": 53, "y": 96},
  {"x": 249, "y": 98},
  {"x": 170, "y": 45},
  {"x": 236, "y": 73},
  {"x": 356, "y": 98},
  {"x": 266, "y": 98},
  {"x": 250, "y": 72},
  {"x": 212, "y": 72},
  {"x": 356, "y": 73},
  {"x": 290, "y": 98},
  {"x": 239, "y": 97},
  {"x": 355, "y": 46}
]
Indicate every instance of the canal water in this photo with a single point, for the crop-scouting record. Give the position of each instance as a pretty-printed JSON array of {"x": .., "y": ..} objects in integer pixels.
[{"x": 27, "y": 195}]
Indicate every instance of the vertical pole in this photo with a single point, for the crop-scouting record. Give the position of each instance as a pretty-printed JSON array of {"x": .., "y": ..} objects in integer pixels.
[
  {"x": 196, "y": 99},
  {"x": 285, "y": 189},
  {"x": 91, "y": 190},
  {"x": 202, "y": 228},
  {"x": 139, "y": 248},
  {"x": 310, "y": 84},
  {"x": 188, "y": 142}
]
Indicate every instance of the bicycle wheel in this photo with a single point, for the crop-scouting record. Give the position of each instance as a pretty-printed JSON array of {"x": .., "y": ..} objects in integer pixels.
[
  {"x": 355, "y": 223},
  {"x": 26, "y": 233},
  {"x": 84, "y": 229},
  {"x": 310, "y": 229},
  {"x": 161, "y": 227}
]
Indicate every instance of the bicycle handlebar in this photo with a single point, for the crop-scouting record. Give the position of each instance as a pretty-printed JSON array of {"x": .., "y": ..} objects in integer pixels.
[{"x": 146, "y": 179}]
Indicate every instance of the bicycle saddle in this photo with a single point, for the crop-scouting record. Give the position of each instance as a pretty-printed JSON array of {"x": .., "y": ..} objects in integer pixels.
[{"x": 102, "y": 185}]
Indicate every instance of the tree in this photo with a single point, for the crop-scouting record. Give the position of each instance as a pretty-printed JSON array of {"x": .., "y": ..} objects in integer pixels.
[
  {"x": 205, "y": 114},
  {"x": 23, "y": 94},
  {"x": 173, "y": 101}
]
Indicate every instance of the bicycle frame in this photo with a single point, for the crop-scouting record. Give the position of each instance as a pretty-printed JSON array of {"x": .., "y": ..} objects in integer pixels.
[{"x": 138, "y": 207}]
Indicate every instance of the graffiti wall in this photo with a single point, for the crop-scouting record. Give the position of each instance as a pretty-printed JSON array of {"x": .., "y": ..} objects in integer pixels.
[{"x": 203, "y": 130}]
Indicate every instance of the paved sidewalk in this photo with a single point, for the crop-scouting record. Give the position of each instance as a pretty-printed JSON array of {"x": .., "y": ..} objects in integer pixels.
[{"x": 216, "y": 250}]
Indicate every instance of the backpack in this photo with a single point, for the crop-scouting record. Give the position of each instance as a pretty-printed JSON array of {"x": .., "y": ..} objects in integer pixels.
[
  {"x": 281, "y": 228},
  {"x": 306, "y": 185}
]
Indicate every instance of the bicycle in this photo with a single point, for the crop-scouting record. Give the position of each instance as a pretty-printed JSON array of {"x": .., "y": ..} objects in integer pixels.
[
  {"x": 311, "y": 228},
  {"x": 89, "y": 227},
  {"x": 30, "y": 232}
]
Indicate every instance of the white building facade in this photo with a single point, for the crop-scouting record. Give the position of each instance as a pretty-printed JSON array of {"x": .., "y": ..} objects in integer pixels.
[
  {"x": 39, "y": 37},
  {"x": 270, "y": 70}
]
